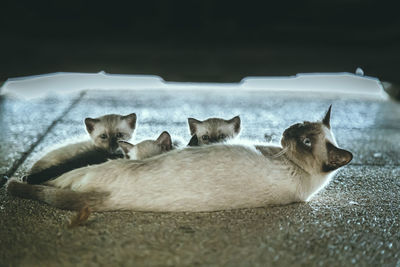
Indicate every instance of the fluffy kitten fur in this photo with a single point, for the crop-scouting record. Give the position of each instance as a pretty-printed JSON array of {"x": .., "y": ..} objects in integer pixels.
[
  {"x": 212, "y": 130},
  {"x": 206, "y": 178},
  {"x": 147, "y": 148},
  {"x": 105, "y": 132}
]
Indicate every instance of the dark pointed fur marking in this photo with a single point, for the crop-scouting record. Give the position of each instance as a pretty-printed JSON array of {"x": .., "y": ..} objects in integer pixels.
[
  {"x": 165, "y": 141},
  {"x": 236, "y": 121},
  {"x": 300, "y": 129},
  {"x": 131, "y": 120},
  {"x": 326, "y": 120},
  {"x": 95, "y": 156},
  {"x": 61, "y": 198},
  {"x": 337, "y": 158},
  {"x": 192, "y": 125},
  {"x": 193, "y": 141},
  {"x": 89, "y": 122}
]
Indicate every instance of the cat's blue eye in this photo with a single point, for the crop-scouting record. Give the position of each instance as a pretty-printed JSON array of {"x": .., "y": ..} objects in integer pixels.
[
  {"x": 103, "y": 136},
  {"x": 221, "y": 136},
  {"x": 120, "y": 135},
  {"x": 205, "y": 137},
  {"x": 307, "y": 141}
]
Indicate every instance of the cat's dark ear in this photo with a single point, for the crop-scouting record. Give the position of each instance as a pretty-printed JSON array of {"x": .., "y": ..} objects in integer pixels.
[
  {"x": 131, "y": 120},
  {"x": 193, "y": 125},
  {"x": 194, "y": 141},
  {"x": 236, "y": 123},
  {"x": 125, "y": 146},
  {"x": 326, "y": 120},
  {"x": 165, "y": 141},
  {"x": 90, "y": 123},
  {"x": 337, "y": 158}
]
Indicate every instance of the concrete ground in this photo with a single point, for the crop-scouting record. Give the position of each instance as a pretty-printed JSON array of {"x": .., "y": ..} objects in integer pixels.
[{"x": 354, "y": 221}]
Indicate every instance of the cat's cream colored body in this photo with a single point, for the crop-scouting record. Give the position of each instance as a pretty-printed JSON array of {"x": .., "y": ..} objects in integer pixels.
[{"x": 207, "y": 178}]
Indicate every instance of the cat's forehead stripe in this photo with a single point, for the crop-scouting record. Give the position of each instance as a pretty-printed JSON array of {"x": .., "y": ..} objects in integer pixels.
[
  {"x": 308, "y": 128},
  {"x": 215, "y": 122}
]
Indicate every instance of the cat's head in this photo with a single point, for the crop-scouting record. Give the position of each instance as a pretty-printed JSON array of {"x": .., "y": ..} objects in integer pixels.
[
  {"x": 313, "y": 147},
  {"x": 106, "y": 131},
  {"x": 214, "y": 130},
  {"x": 147, "y": 148}
]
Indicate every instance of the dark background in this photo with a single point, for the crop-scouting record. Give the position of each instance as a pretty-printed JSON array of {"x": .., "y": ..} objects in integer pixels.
[{"x": 212, "y": 41}]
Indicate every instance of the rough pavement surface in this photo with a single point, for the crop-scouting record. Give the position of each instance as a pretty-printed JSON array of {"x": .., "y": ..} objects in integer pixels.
[{"x": 354, "y": 221}]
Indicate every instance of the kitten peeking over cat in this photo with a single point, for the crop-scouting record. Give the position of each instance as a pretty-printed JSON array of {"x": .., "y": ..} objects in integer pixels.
[
  {"x": 104, "y": 131},
  {"x": 147, "y": 148},
  {"x": 204, "y": 178},
  {"x": 212, "y": 130}
]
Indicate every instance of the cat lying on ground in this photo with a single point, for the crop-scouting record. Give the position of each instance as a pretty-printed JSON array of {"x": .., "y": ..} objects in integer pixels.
[{"x": 205, "y": 178}]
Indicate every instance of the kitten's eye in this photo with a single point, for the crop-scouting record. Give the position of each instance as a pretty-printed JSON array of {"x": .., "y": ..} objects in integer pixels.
[
  {"x": 103, "y": 136},
  {"x": 120, "y": 135},
  {"x": 205, "y": 137},
  {"x": 221, "y": 136},
  {"x": 307, "y": 142}
]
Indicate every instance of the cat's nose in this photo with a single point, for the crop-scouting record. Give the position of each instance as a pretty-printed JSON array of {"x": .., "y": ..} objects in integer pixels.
[{"x": 113, "y": 145}]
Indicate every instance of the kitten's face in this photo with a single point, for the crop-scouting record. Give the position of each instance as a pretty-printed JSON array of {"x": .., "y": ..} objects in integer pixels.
[
  {"x": 147, "y": 148},
  {"x": 312, "y": 146},
  {"x": 214, "y": 130},
  {"x": 107, "y": 130}
]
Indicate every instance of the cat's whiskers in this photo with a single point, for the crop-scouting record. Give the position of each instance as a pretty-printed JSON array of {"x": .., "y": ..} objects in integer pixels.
[{"x": 280, "y": 153}]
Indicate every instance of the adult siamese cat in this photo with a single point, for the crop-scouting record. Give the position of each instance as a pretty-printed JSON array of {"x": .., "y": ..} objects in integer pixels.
[
  {"x": 105, "y": 132},
  {"x": 205, "y": 178},
  {"x": 212, "y": 130}
]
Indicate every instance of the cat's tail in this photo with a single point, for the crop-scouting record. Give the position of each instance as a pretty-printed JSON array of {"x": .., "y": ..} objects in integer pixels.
[{"x": 61, "y": 198}]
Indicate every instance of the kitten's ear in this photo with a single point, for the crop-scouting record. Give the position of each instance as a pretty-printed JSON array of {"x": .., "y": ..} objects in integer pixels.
[
  {"x": 327, "y": 118},
  {"x": 337, "y": 158},
  {"x": 165, "y": 141},
  {"x": 90, "y": 123},
  {"x": 193, "y": 125},
  {"x": 236, "y": 123},
  {"x": 194, "y": 141},
  {"x": 125, "y": 146},
  {"x": 131, "y": 120}
]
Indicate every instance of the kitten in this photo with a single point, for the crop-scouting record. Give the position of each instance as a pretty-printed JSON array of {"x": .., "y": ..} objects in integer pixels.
[
  {"x": 212, "y": 130},
  {"x": 147, "y": 148},
  {"x": 205, "y": 178},
  {"x": 105, "y": 132}
]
